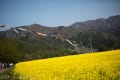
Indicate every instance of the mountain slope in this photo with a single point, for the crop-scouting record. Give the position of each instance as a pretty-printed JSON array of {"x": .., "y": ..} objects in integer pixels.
[{"x": 38, "y": 41}]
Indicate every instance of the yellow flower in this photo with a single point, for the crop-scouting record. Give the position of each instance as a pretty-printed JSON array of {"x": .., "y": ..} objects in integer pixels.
[{"x": 90, "y": 66}]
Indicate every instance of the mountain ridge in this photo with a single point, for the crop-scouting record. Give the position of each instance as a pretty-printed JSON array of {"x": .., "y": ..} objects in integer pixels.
[{"x": 98, "y": 24}]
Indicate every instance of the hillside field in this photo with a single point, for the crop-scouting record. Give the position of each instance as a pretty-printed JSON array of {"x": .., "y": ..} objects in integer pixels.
[{"x": 89, "y": 66}]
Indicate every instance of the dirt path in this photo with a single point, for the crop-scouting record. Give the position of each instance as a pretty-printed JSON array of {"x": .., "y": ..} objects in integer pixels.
[{"x": 2, "y": 70}]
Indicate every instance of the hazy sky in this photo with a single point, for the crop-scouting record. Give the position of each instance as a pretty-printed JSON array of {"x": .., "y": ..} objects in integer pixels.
[{"x": 55, "y": 12}]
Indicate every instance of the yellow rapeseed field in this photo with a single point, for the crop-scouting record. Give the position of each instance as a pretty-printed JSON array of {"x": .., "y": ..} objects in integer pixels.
[{"x": 90, "y": 66}]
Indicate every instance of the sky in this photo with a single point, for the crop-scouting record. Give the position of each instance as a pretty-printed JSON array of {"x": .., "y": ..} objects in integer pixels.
[{"x": 55, "y": 12}]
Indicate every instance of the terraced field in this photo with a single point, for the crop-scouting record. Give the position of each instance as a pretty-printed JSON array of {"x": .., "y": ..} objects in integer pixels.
[{"x": 89, "y": 66}]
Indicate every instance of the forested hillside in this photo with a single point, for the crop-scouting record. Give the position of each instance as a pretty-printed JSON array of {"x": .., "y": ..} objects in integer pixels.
[{"x": 37, "y": 41}]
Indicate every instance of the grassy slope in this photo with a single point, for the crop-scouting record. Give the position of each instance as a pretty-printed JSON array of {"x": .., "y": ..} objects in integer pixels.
[{"x": 94, "y": 66}]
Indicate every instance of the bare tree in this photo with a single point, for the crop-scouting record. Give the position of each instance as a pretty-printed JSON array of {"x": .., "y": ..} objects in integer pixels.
[{"x": 91, "y": 47}]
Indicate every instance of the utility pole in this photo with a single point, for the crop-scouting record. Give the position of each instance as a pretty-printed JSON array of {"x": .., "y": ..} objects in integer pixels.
[{"x": 91, "y": 47}]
